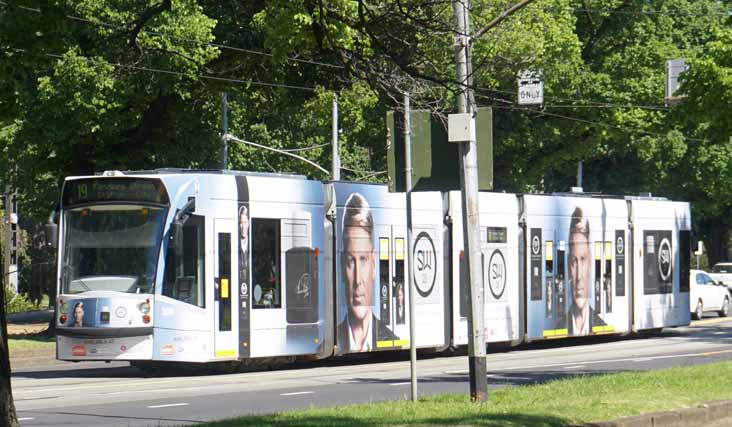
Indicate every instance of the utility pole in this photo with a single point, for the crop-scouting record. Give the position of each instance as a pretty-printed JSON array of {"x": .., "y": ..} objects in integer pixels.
[
  {"x": 335, "y": 174},
  {"x": 12, "y": 239},
  {"x": 471, "y": 224},
  {"x": 225, "y": 131},
  {"x": 579, "y": 174},
  {"x": 410, "y": 251}
]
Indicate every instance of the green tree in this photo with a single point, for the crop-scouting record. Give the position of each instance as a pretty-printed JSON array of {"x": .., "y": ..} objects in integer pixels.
[
  {"x": 707, "y": 170},
  {"x": 84, "y": 98}
]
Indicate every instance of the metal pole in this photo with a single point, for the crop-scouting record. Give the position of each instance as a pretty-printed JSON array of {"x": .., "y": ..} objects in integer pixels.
[
  {"x": 335, "y": 174},
  {"x": 579, "y": 174},
  {"x": 12, "y": 275},
  {"x": 225, "y": 128},
  {"x": 410, "y": 251},
  {"x": 471, "y": 211}
]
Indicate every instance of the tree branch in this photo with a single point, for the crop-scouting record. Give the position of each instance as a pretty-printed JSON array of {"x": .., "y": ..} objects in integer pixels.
[
  {"x": 163, "y": 6},
  {"x": 500, "y": 18}
]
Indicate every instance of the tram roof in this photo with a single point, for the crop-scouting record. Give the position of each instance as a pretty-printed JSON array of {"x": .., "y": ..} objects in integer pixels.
[{"x": 181, "y": 171}]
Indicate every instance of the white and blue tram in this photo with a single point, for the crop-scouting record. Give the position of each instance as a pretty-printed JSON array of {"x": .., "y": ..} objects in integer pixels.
[{"x": 211, "y": 266}]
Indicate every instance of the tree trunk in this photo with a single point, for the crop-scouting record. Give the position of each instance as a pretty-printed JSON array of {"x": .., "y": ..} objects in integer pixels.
[
  {"x": 715, "y": 233},
  {"x": 8, "y": 417}
]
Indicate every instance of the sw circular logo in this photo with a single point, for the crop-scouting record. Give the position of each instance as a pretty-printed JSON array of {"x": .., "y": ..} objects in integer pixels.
[
  {"x": 535, "y": 245},
  {"x": 425, "y": 264},
  {"x": 664, "y": 259},
  {"x": 620, "y": 245},
  {"x": 497, "y": 274},
  {"x": 244, "y": 289},
  {"x": 120, "y": 312}
]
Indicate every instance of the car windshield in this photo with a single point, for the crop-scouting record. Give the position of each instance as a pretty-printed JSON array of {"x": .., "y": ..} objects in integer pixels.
[
  {"x": 722, "y": 268},
  {"x": 112, "y": 248}
]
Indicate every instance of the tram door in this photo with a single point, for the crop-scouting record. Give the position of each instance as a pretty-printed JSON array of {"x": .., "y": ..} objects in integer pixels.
[
  {"x": 225, "y": 340},
  {"x": 603, "y": 282},
  {"x": 392, "y": 295}
]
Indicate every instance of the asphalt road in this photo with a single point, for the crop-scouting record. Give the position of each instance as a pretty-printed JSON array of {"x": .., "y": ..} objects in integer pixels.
[{"x": 116, "y": 394}]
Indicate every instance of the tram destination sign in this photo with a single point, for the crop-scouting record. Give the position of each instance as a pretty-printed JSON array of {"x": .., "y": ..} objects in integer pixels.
[{"x": 91, "y": 190}]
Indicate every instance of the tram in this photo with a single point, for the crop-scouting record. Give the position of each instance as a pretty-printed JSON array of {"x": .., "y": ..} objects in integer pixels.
[{"x": 226, "y": 266}]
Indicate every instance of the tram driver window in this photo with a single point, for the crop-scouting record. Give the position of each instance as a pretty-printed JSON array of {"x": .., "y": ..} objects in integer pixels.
[
  {"x": 266, "y": 275},
  {"x": 183, "y": 279}
]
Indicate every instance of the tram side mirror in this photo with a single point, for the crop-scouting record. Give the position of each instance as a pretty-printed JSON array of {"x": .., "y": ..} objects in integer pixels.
[
  {"x": 52, "y": 229},
  {"x": 52, "y": 235},
  {"x": 176, "y": 228},
  {"x": 176, "y": 235}
]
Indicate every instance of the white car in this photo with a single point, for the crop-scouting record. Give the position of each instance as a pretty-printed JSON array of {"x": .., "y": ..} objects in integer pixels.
[
  {"x": 707, "y": 295},
  {"x": 722, "y": 272}
]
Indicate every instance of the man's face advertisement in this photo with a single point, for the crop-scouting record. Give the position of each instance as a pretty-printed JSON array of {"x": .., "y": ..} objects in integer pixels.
[
  {"x": 580, "y": 260},
  {"x": 243, "y": 222},
  {"x": 359, "y": 269}
]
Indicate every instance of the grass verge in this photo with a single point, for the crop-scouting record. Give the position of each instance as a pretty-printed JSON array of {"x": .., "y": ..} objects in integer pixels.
[
  {"x": 553, "y": 404},
  {"x": 30, "y": 342}
]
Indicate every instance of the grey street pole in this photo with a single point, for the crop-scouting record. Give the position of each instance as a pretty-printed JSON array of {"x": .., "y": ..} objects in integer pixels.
[
  {"x": 335, "y": 174},
  {"x": 410, "y": 250},
  {"x": 579, "y": 174},
  {"x": 225, "y": 131},
  {"x": 471, "y": 220}
]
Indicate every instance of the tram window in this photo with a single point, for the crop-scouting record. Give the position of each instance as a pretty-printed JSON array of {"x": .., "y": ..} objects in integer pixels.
[
  {"x": 685, "y": 259},
  {"x": 183, "y": 279},
  {"x": 266, "y": 263},
  {"x": 549, "y": 278}
]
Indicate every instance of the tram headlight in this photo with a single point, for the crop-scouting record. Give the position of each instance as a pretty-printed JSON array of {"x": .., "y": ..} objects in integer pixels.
[
  {"x": 144, "y": 307},
  {"x": 63, "y": 309}
]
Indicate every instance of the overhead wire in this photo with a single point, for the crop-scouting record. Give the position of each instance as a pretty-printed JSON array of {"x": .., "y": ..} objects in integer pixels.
[
  {"x": 584, "y": 103},
  {"x": 312, "y": 147},
  {"x": 185, "y": 39},
  {"x": 588, "y": 122},
  {"x": 368, "y": 174},
  {"x": 592, "y": 104},
  {"x": 277, "y": 150},
  {"x": 610, "y": 11},
  {"x": 178, "y": 73},
  {"x": 634, "y": 12}
]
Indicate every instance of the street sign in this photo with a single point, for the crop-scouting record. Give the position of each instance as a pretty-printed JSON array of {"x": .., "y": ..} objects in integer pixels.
[
  {"x": 674, "y": 69},
  {"x": 700, "y": 248},
  {"x": 531, "y": 87},
  {"x": 435, "y": 161}
]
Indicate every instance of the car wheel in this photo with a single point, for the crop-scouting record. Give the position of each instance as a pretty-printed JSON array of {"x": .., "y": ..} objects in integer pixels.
[
  {"x": 724, "y": 312},
  {"x": 699, "y": 311}
]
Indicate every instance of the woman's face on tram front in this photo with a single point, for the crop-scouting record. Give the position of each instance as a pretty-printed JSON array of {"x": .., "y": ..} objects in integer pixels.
[
  {"x": 78, "y": 314},
  {"x": 359, "y": 270}
]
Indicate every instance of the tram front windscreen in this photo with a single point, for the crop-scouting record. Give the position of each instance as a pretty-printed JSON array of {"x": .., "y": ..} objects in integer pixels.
[{"x": 111, "y": 247}]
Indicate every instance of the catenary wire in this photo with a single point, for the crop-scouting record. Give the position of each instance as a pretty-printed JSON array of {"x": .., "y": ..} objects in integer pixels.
[
  {"x": 156, "y": 33},
  {"x": 178, "y": 73},
  {"x": 590, "y": 122}
]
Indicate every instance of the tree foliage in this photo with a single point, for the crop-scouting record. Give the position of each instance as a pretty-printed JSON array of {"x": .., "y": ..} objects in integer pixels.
[{"x": 94, "y": 85}]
